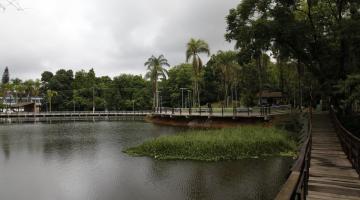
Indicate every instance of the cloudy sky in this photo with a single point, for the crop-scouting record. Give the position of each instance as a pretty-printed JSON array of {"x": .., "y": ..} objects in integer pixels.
[{"x": 111, "y": 36}]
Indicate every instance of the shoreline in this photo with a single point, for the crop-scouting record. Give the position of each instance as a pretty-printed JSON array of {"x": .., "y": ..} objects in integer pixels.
[{"x": 205, "y": 122}]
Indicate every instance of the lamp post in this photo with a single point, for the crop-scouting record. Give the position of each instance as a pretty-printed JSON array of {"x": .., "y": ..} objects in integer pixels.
[
  {"x": 182, "y": 96},
  {"x": 189, "y": 98},
  {"x": 133, "y": 102},
  {"x": 93, "y": 102},
  {"x": 157, "y": 99}
]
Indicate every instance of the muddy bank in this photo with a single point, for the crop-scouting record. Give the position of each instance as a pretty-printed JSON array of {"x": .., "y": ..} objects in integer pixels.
[{"x": 203, "y": 122}]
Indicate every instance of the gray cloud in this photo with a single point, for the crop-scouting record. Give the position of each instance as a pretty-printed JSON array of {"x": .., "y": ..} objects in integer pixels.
[{"x": 111, "y": 36}]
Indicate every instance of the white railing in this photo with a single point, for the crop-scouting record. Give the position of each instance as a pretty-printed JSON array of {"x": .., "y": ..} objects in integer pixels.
[{"x": 74, "y": 113}]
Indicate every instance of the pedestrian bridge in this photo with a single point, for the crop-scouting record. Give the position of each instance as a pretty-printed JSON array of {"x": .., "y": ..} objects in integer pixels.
[
  {"x": 74, "y": 114},
  {"x": 328, "y": 165},
  {"x": 265, "y": 112}
]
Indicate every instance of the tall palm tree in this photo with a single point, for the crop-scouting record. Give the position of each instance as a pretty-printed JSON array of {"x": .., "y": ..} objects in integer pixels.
[
  {"x": 194, "y": 48},
  {"x": 36, "y": 88},
  {"x": 50, "y": 94},
  {"x": 29, "y": 89},
  {"x": 155, "y": 68}
]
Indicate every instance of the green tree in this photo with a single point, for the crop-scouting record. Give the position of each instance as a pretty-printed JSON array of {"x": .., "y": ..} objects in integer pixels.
[
  {"x": 194, "y": 48},
  {"x": 179, "y": 76},
  {"x": 226, "y": 62},
  {"x": 86, "y": 89},
  {"x": 50, "y": 94},
  {"x": 320, "y": 36},
  {"x": 155, "y": 68},
  {"x": 61, "y": 82}
]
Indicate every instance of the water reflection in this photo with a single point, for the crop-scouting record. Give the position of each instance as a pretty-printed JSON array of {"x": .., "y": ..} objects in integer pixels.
[
  {"x": 84, "y": 160},
  {"x": 5, "y": 145}
]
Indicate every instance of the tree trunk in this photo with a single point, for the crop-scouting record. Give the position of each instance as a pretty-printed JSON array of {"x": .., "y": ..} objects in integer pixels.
[
  {"x": 194, "y": 92},
  {"x": 226, "y": 94},
  {"x": 258, "y": 60},
  {"x": 198, "y": 94},
  {"x": 300, "y": 73},
  {"x": 281, "y": 75}
]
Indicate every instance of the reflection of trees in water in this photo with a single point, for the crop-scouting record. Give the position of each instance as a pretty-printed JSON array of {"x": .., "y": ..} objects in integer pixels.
[
  {"x": 198, "y": 184},
  {"x": 64, "y": 140},
  {"x": 252, "y": 178},
  {"x": 5, "y": 145},
  {"x": 244, "y": 179}
]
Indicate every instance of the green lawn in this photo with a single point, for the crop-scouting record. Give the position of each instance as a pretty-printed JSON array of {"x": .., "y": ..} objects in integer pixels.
[{"x": 219, "y": 144}]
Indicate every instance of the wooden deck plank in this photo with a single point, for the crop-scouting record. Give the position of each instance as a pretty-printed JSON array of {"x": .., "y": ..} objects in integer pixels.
[{"x": 331, "y": 173}]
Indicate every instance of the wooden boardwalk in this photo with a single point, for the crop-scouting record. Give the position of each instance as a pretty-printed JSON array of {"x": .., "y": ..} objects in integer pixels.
[{"x": 331, "y": 174}]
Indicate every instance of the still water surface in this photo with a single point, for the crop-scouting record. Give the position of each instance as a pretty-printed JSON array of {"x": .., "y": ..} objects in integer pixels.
[{"x": 84, "y": 161}]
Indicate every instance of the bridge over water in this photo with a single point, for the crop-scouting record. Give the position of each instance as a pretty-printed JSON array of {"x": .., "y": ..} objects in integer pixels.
[
  {"x": 265, "y": 112},
  {"x": 328, "y": 165},
  {"x": 74, "y": 114}
]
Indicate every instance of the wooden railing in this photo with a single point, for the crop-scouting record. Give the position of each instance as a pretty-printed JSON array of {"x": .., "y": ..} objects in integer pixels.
[
  {"x": 349, "y": 142},
  {"x": 296, "y": 186}
]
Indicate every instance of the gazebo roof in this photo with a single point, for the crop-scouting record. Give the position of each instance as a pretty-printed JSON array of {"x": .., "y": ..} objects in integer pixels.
[
  {"x": 19, "y": 105},
  {"x": 270, "y": 94}
]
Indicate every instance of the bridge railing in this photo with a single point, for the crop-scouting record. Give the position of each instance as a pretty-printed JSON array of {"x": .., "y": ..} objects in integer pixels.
[
  {"x": 223, "y": 111},
  {"x": 75, "y": 113},
  {"x": 296, "y": 186},
  {"x": 349, "y": 142}
]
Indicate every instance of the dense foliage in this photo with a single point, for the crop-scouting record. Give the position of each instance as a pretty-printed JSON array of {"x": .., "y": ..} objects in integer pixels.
[{"x": 321, "y": 38}]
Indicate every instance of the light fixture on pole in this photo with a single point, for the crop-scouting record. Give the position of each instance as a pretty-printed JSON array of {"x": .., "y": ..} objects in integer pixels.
[
  {"x": 182, "y": 96},
  {"x": 189, "y": 98},
  {"x": 157, "y": 99}
]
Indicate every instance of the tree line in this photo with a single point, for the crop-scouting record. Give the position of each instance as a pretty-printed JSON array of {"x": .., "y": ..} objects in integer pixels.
[
  {"x": 222, "y": 81},
  {"x": 309, "y": 50}
]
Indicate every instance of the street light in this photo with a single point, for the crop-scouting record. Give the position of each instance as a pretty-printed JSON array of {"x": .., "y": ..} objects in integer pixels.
[
  {"x": 157, "y": 99},
  {"x": 133, "y": 102},
  {"x": 189, "y": 99},
  {"x": 182, "y": 96}
]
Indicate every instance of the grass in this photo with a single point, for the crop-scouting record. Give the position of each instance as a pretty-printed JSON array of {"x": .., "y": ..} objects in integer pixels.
[{"x": 219, "y": 144}]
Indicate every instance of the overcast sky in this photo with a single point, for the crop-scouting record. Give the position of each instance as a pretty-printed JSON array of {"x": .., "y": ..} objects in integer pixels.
[{"x": 111, "y": 36}]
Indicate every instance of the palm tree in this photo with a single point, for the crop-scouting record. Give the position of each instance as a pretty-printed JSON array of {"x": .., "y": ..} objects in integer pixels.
[
  {"x": 36, "y": 88},
  {"x": 50, "y": 94},
  {"x": 194, "y": 48},
  {"x": 29, "y": 89},
  {"x": 155, "y": 67}
]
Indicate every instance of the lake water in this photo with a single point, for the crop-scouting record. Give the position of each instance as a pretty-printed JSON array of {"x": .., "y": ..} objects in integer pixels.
[{"x": 84, "y": 161}]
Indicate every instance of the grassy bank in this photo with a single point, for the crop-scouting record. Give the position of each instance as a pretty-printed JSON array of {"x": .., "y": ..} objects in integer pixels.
[{"x": 219, "y": 144}]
